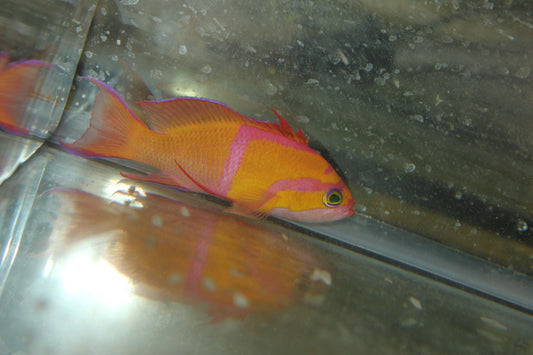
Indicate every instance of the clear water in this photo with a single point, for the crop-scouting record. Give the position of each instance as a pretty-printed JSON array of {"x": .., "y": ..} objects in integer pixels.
[{"x": 423, "y": 105}]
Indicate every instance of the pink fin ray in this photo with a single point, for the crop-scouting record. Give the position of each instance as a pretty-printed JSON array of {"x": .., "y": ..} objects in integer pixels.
[{"x": 166, "y": 115}]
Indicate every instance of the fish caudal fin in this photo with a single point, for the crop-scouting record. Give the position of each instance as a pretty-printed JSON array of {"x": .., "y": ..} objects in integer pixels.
[
  {"x": 18, "y": 86},
  {"x": 113, "y": 128}
]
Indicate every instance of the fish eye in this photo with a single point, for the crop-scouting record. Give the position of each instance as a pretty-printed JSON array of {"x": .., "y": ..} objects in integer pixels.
[{"x": 333, "y": 198}]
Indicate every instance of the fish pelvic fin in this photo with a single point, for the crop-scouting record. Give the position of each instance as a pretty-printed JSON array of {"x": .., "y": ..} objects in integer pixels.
[{"x": 113, "y": 129}]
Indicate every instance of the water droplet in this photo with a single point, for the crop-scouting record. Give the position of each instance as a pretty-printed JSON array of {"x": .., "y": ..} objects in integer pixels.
[
  {"x": 209, "y": 284},
  {"x": 174, "y": 279},
  {"x": 185, "y": 211},
  {"x": 206, "y": 69},
  {"x": 416, "y": 303},
  {"x": 240, "y": 300},
  {"x": 321, "y": 275},
  {"x": 409, "y": 168},
  {"x": 157, "y": 221}
]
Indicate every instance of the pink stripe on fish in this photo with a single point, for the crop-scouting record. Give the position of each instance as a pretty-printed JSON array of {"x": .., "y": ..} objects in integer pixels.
[
  {"x": 239, "y": 146},
  {"x": 304, "y": 185}
]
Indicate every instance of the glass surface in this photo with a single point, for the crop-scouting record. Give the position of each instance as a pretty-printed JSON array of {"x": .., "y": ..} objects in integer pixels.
[{"x": 425, "y": 107}]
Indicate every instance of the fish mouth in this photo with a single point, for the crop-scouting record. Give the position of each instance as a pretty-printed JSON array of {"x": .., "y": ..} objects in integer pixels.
[{"x": 315, "y": 215}]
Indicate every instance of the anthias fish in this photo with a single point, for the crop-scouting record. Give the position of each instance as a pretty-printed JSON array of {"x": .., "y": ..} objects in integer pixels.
[
  {"x": 204, "y": 146},
  {"x": 17, "y": 88}
]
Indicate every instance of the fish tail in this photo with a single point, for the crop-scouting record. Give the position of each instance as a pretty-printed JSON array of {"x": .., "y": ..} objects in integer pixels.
[
  {"x": 18, "y": 85},
  {"x": 113, "y": 128}
]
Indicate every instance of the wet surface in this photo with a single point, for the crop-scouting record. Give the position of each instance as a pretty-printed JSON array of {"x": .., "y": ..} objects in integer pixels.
[
  {"x": 424, "y": 108},
  {"x": 122, "y": 269}
]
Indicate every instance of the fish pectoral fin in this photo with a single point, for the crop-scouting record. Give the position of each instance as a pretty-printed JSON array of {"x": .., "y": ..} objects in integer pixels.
[
  {"x": 159, "y": 178},
  {"x": 245, "y": 211}
]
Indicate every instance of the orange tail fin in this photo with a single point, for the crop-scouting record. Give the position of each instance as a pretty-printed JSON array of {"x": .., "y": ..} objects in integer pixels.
[
  {"x": 113, "y": 128},
  {"x": 18, "y": 83}
]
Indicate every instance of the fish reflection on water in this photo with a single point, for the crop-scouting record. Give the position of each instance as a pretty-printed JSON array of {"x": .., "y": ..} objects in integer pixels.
[{"x": 171, "y": 251}]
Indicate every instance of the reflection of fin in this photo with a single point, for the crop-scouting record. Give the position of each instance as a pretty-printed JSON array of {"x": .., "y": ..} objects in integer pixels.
[
  {"x": 17, "y": 88},
  {"x": 166, "y": 115},
  {"x": 111, "y": 128},
  {"x": 158, "y": 178}
]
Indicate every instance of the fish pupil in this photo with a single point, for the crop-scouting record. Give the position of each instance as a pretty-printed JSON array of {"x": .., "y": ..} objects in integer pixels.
[{"x": 333, "y": 198}]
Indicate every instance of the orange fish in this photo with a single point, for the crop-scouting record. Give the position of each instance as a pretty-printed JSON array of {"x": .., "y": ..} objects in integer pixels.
[
  {"x": 17, "y": 89},
  {"x": 176, "y": 252},
  {"x": 204, "y": 146}
]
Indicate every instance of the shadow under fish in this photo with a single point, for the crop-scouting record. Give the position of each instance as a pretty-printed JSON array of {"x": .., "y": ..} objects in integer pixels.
[{"x": 174, "y": 252}]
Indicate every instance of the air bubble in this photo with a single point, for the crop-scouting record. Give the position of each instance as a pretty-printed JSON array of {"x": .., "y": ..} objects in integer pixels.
[
  {"x": 522, "y": 226},
  {"x": 409, "y": 168}
]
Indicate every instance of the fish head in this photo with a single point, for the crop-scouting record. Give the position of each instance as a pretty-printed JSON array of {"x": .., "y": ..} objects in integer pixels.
[{"x": 311, "y": 200}]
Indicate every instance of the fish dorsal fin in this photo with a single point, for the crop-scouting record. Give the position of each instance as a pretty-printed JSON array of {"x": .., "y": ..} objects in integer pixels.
[{"x": 163, "y": 116}]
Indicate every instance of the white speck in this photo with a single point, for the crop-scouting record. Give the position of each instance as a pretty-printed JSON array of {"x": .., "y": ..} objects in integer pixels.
[
  {"x": 284, "y": 237},
  {"x": 182, "y": 50},
  {"x": 493, "y": 323},
  {"x": 103, "y": 10},
  {"x": 314, "y": 299},
  {"x": 206, "y": 69},
  {"x": 129, "y": 2},
  {"x": 118, "y": 42},
  {"x": 240, "y": 300},
  {"x": 79, "y": 29},
  {"x": 209, "y": 284},
  {"x": 458, "y": 195},
  {"x": 157, "y": 19},
  {"x": 103, "y": 38},
  {"x": 271, "y": 89},
  {"x": 455, "y": 4},
  {"x": 312, "y": 81},
  {"x": 522, "y": 73},
  {"x": 157, "y": 221},
  {"x": 418, "y": 118},
  {"x": 416, "y": 303},
  {"x": 300, "y": 43},
  {"x": 368, "y": 67},
  {"x": 156, "y": 74},
  {"x": 380, "y": 81},
  {"x": 185, "y": 211},
  {"x": 409, "y": 168},
  {"x": 114, "y": 58},
  {"x": 321, "y": 275},
  {"x": 302, "y": 119},
  {"x": 89, "y": 54},
  {"x": 174, "y": 279},
  {"x": 392, "y": 38},
  {"x": 408, "y": 323}
]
